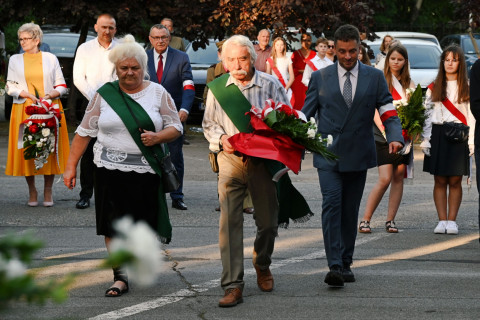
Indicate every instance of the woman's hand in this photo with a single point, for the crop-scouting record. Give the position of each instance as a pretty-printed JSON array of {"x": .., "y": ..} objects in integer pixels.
[
  {"x": 28, "y": 95},
  {"x": 70, "y": 177},
  {"x": 149, "y": 138}
]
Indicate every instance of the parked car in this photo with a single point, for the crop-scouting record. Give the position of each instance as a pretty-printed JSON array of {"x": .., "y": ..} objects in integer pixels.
[
  {"x": 465, "y": 42},
  {"x": 200, "y": 60},
  {"x": 402, "y": 35},
  {"x": 424, "y": 58}
]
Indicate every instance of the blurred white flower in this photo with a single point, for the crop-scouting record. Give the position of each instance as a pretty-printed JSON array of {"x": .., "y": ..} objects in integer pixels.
[
  {"x": 30, "y": 138},
  {"x": 39, "y": 144},
  {"x": 329, "y": 140},
  {"x": 311, "y": 133},
  {"x": 312, "y": 120},
  {"x": 13, "y": 268},
  {"x": 141, "y": 241}
]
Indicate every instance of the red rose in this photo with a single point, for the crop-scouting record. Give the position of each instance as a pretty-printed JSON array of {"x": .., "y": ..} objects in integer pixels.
[
  {"x": 30, "y": 110},
  {"x": 41, "y": 110},
  {"x": 33, "y": 128},
  {"x": 51, "y": 123}
]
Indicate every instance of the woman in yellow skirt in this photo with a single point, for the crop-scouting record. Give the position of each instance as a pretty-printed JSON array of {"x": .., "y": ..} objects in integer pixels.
[{"x": 27, "y": 72}]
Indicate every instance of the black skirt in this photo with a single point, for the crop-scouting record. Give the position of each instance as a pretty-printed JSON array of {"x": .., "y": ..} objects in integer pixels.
[
  {"x": 119, "y": 194},
  {"x": 383, "y": 157},
  {"x": 446, "y": 158}
]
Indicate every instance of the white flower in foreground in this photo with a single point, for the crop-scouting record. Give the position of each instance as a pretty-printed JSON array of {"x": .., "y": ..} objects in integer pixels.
[
  {"x": 141, "y": 241},
  {"x": 312, "y": 120},
  {"x": 311, "y": 133},
  {"x": 410, "y": 91},
  {"x": 30, "y": 138},
  {"x": 13, "y": 268},
  {"x": 39, "y": 144},
  {"x": 329, "y": 140}
]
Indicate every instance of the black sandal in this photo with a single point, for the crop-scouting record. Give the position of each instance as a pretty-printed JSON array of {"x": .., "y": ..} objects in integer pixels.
[
  {"x": 118, "y": 275},
  {"x": 364, "y": 227},
  {"x": 390, "y": 226}
]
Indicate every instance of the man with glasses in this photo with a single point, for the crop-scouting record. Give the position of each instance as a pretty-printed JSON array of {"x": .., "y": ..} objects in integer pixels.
[
  {"x": 171, "y": 68},
  {"x": 331, "y": 50},
  {"x": 91, "y": 70}
]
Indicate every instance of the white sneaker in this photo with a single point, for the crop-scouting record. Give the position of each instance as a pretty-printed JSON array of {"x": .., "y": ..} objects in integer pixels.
[
  {"x": 441, "y": 227},
  {"x": 452, "y": 227}
]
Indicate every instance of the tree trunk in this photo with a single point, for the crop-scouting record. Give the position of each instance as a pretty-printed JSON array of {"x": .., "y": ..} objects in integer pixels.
[{"x": 416, "y": 12}]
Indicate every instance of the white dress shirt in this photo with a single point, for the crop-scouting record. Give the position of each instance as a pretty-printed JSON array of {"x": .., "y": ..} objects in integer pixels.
[
  {"x": 319, "y": 63},
  {"x": 92, "y": 68}
]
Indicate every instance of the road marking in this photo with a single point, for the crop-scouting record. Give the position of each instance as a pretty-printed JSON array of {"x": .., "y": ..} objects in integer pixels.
[
  {"x": 185, "y": 293},
  {"x": 75, "y": 254}
]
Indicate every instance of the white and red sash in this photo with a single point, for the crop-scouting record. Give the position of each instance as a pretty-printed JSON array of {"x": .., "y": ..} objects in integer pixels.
[
  {"x": 282, "y": 81},
  {"x": 397, "y": 90},
  {"x": 451, "y": 107},
  {"x": 311, "y": 64}
]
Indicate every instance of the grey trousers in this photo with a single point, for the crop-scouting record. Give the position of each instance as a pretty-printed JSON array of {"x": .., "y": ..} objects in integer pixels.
[{"x": 235, "y": 178}]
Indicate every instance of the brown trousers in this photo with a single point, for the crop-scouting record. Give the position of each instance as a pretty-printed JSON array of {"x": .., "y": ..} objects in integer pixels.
[{"x": 235, "y": 178}]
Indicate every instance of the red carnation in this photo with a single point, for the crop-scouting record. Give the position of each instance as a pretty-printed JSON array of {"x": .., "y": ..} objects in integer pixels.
[
  {"x": 41, "y": 110},
  {"x": 51, "y": 123},
  {"x": 33, "y": 128},
  {"x": 30, "y": 110}
]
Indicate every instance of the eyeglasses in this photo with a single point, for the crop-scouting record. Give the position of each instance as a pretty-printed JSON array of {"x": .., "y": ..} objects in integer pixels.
[
  {"x": 330, "y": 47},
  {"x": 450, "y": 60},
  {"x": 163, "y": 38},
  {"x": 24, "y": 39}
]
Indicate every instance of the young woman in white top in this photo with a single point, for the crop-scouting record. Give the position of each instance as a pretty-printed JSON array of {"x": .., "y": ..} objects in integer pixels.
[
  {"x": 447, "y": 100},
  {"x": 281, "y": 66},
  {"x": 391, "y": 167}
]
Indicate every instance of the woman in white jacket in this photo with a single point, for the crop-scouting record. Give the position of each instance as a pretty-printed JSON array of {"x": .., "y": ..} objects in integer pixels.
[
  {"x": 447, "y": 101},
  {"x": 33, "y": 75}
]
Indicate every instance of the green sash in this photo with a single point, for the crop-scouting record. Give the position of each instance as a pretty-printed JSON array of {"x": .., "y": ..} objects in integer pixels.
[
  {"x": 292, "y": 205},
  {"x": 111, "y": 93}
]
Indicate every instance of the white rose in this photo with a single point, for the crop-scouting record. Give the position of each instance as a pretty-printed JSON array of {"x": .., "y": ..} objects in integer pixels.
[
  {"x": 30, "y": 138},
  {"x": 39, "y": 144},
  {"x": 329, "y": 140},
  {"x": 311, "y": 133},
  {"x": 312, "y": 120},
  {"x": 46, "y": 132},
  {"x": 29, "y": 123}
]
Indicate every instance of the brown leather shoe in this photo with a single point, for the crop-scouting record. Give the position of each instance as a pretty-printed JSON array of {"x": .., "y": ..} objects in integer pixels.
[
  {"x": 232, "y": 297},
  {"x": 264, "y": 279}
]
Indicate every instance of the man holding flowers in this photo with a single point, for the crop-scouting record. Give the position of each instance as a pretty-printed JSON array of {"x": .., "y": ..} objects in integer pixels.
[
  {"x": 228, "y": 99},
  {"x": 343, "y": 97}
]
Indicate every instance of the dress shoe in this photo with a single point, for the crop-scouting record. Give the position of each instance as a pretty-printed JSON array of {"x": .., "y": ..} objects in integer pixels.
[
  {"x": 249, "y": 210},
  {"x": 83, "y": 203},
  {"x": 217, "y": 208},
  {"x": 48, "y": 203},
  {"x": 179, "y": 204},
  {"x": 347, "y": 274},
  {"x": 334, "y": 277},
  {"x": 232, "y": 297},
  {"x": 264, "y": 279},
  {"x": 32, "y": 203}
]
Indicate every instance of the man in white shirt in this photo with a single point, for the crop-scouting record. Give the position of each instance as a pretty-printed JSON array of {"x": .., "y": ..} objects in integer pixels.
[
  {"x": 318, "y": 62},
  {"x": 91, "y": 70}
]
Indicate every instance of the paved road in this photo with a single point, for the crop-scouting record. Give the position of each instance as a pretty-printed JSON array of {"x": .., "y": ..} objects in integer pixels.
[{"x": 414, "y": 274}]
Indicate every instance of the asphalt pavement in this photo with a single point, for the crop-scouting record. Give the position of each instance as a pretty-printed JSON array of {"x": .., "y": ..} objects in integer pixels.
[{"x": 414, "y": 274}]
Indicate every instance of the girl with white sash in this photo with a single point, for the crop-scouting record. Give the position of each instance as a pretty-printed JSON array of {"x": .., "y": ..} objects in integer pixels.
[{"x": 391, "y": 167}]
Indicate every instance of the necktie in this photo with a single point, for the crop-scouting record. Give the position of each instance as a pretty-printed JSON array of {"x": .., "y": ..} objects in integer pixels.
[
  {"x": 160, "y": 68},
  {"x": 347, "y": 90}
]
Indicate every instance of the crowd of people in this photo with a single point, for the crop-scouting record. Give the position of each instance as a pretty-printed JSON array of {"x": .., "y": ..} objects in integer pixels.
[{"x": 139, "y": 100}]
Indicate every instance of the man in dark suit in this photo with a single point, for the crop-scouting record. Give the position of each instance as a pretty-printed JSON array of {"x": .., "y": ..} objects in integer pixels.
[
  {"x": 475, "y": 108},
  {"x": 171, "y": 68},
  {"x": 343, "y": 97}
]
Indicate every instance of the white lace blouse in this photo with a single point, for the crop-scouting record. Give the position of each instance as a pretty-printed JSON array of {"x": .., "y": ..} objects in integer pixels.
[{"x": 115, "y": 148}]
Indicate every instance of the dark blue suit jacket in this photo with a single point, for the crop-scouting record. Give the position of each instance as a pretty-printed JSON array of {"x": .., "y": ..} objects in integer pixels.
[
  {"x": 177, "y": 70},
  {"x": 351, "y": 128}
]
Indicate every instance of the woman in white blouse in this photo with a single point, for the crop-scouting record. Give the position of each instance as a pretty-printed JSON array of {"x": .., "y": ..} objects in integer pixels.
[
  {"x": 280, "y": 66},
  {"x": 126, "y": 180},
  {"x": 447, "y": 100}
]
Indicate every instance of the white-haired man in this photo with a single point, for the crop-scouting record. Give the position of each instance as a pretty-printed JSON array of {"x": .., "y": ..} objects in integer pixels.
[{"x": 239, "y": 90}]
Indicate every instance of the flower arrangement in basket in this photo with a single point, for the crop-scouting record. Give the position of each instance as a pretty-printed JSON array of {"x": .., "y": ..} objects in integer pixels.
[
  {"x": 281, "y": 133},
  {"x": 39, "y": 132},
  {"x": 411, "y": 112}
]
